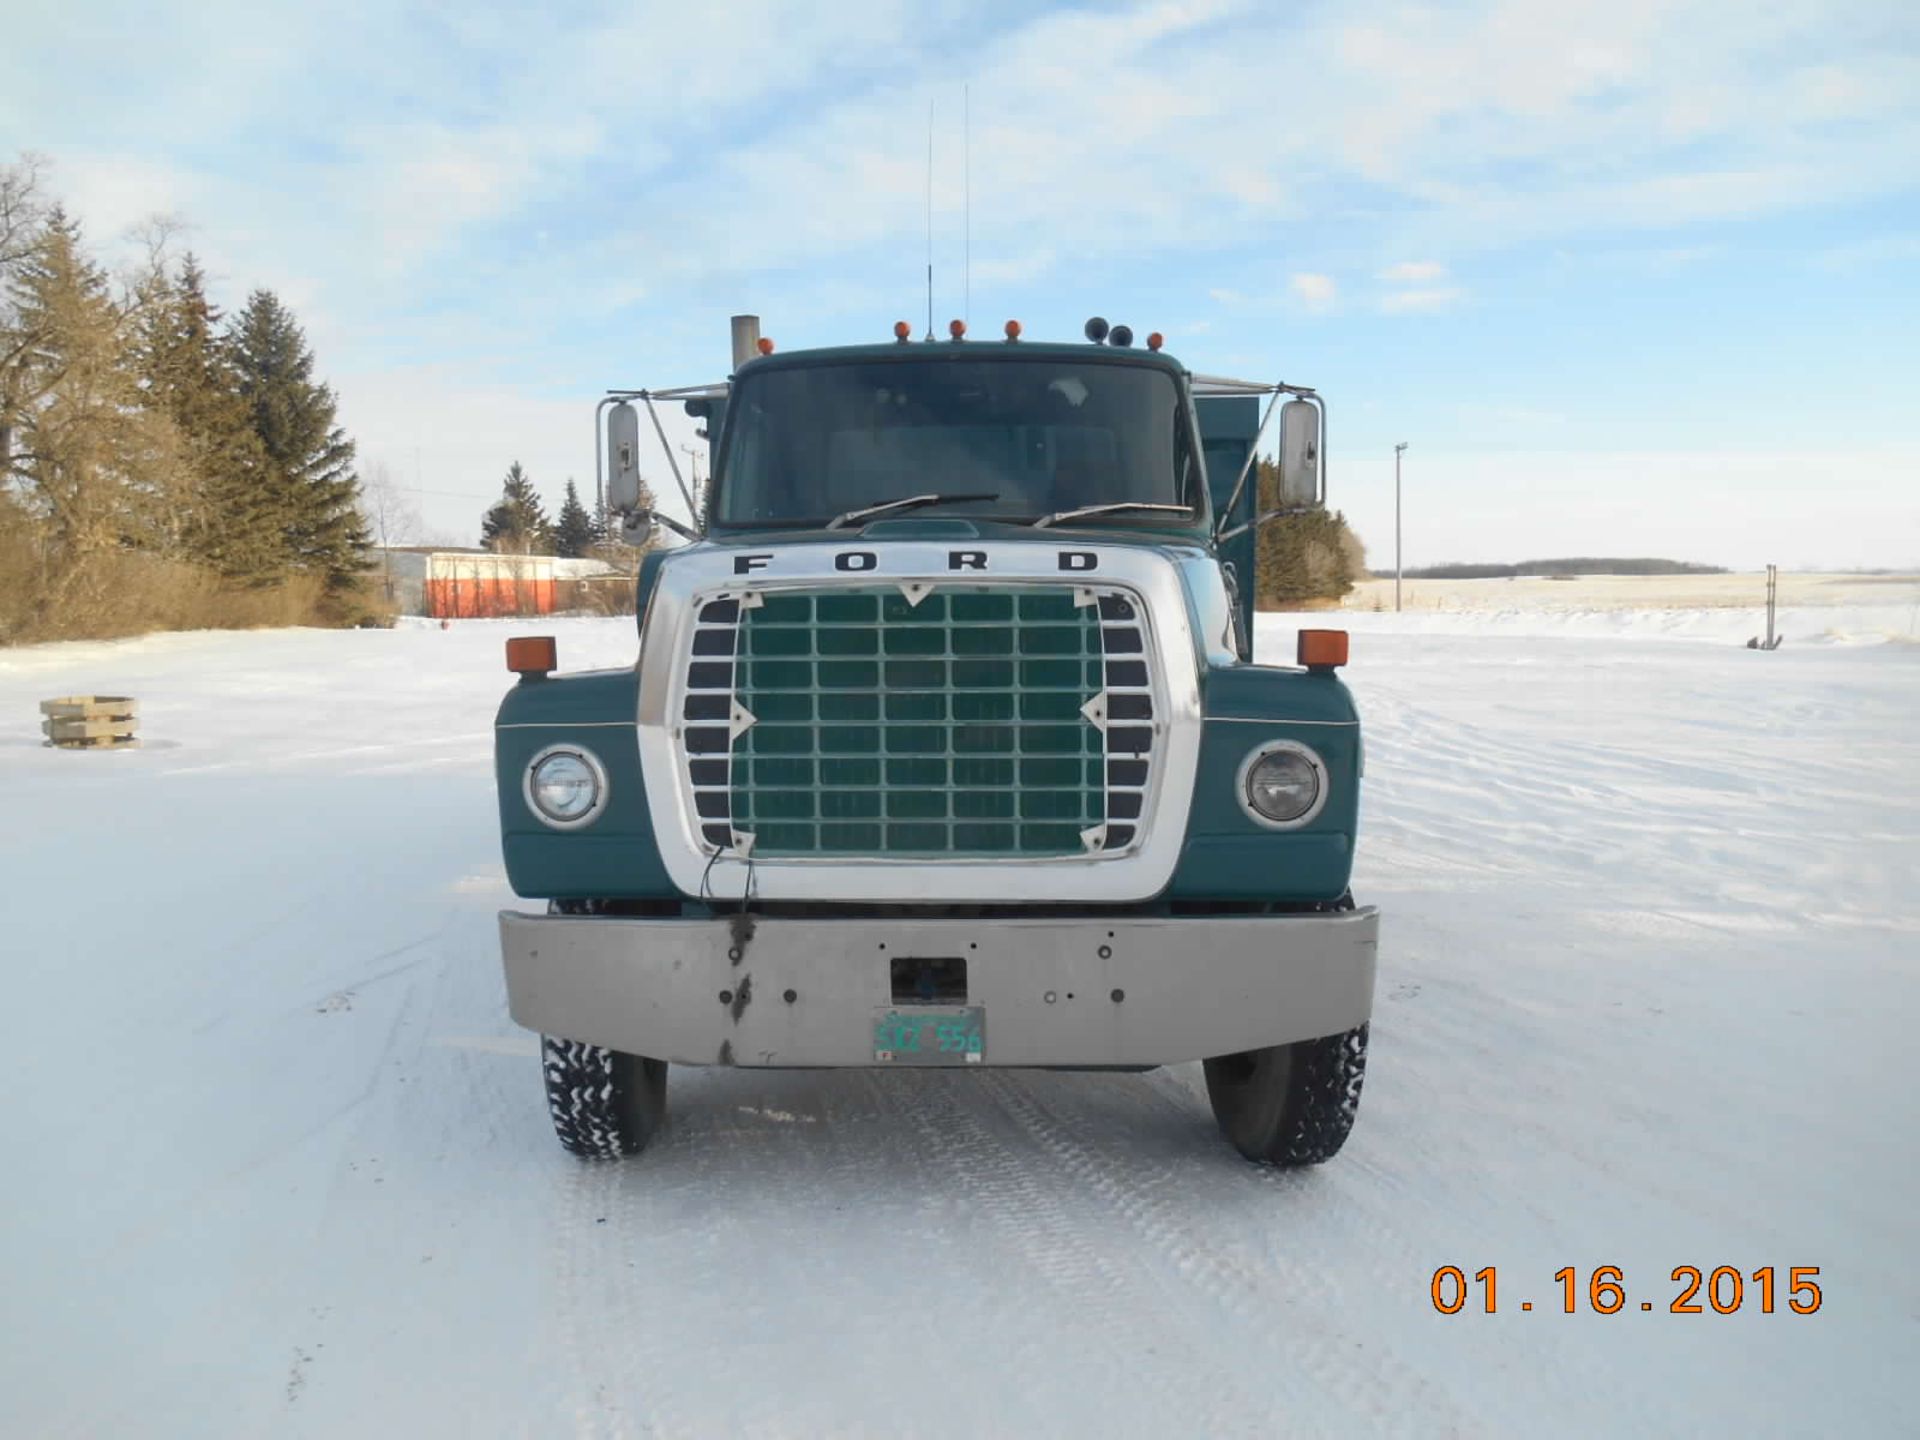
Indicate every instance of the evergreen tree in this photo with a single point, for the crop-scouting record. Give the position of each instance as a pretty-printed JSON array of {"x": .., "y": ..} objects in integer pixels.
[
  {"x": 312, "y": 491},
  {"x": 607, "y": 527},
  {"x": 22, "y": 234},
  {"x": 1310, "y": 556},
  {"x": 517, "y": 524},
  {"x": 89, "y": 464},
  {"x": 573, "y": 531},
  {"x": 227, "y": 519}
]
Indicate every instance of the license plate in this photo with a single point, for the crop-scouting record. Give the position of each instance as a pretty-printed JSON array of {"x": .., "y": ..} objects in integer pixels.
[{"x": 951, "y": 1035}]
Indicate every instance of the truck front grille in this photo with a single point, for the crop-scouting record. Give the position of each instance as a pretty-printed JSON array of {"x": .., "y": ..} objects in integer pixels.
[{"x": 980, "y": 722}]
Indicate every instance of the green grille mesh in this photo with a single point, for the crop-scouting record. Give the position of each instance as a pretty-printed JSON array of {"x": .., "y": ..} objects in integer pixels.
[{"x": 950, "y": 728}]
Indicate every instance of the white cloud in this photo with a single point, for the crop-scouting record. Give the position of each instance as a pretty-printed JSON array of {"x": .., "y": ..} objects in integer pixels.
[
  {"x": 394, "y": 174},
  {"x": 1429, "y": 301},
  {"x": 1317, "y": 293},
  {"x": 1872, "y": 250},
  {"x": 1499, "y": 122},
  {"x": 114, "y": 194},
  {"x": 1413, "y": 272}
]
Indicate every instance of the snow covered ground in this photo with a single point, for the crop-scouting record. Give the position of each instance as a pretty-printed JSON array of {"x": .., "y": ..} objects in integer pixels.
[{"x": 277, "y": 1163}]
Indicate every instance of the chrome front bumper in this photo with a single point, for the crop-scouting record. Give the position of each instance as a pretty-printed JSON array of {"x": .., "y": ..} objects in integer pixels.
[{"x": 1055, "y": 991}]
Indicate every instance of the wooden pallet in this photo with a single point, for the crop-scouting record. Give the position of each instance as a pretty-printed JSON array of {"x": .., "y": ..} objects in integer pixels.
[
  {"x": 97, "y": 742},
  {"x": 90, "y": 722}
]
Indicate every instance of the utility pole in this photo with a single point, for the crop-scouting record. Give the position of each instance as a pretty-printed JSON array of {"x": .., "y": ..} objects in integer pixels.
[
  {"x": 1396, "y": 524},
  {"x": 692, "y": 452}
]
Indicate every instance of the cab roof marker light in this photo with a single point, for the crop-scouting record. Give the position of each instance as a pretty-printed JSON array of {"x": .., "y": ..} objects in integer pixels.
[
  {"x": 902, "y": 332},
  {"x": 1156, "y": 340},
  {"x": 765, "y": 345},
  {"x": 1013, "y": 331},
  {"x": 957, "y": 330}
]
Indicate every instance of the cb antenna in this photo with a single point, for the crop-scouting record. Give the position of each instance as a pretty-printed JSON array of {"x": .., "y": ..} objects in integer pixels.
[
  {"x": 966, "y": 171},
  {"x": 929, "y": 222}
]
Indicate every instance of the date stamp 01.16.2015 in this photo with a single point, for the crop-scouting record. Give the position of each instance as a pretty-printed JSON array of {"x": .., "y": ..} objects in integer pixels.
[{"x": 1723, "y": 1290}]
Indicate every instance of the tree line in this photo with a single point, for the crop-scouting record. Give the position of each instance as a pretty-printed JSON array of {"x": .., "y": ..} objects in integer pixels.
[
  {"x": 161, "y": 463},
  {"x": 518, "y": 523},
  {"x": 1574, "y": 565}
]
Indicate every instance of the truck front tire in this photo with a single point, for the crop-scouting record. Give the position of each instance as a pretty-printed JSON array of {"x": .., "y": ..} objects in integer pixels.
[
  {"x": 1290, "y": 1105},
  {"x": 604, "y": 1103}
]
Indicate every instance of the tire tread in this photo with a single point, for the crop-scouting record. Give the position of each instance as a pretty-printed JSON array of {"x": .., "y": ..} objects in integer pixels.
[{"x": 581, "y": 1099}]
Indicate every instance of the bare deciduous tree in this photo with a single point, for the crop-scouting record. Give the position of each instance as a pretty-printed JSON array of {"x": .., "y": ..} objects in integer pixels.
[{"x": 392, "y": 518}]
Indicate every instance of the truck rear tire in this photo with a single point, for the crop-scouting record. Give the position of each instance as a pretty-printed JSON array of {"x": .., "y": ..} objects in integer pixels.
[
  {"x": 604, "y": 1103},
  {"x": 1290, "y": 1105}
]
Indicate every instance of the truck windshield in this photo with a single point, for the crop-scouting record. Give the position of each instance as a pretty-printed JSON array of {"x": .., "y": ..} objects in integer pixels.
[{"x": 810, "y": 442}]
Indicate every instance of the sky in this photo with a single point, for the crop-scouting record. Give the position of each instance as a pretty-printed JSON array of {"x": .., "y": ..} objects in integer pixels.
[{"x": 1629, "y": 278}]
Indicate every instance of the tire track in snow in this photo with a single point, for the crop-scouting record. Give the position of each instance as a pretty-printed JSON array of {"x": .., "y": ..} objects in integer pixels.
[
  {"x": 588, "y": 1196},
  {"x": 1101, "y": 1297},
  {"x": 619, "y": 1337},
  {"x": 1202, "y": 1276},
  {"x": 1091, "y": 1317}
]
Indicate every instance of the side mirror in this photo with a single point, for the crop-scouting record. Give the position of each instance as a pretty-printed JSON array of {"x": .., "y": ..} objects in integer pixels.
[
  {"x": 1299, "y": 455},
  {"x": 623, "y": 458}
]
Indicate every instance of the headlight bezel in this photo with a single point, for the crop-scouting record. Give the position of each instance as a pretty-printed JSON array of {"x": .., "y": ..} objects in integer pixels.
[
  {"x": 595, "y": 768},
  {"x": 1243, "y": 784}
]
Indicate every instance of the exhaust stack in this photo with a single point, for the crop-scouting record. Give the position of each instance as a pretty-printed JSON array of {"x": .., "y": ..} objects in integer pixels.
[{"x": 746, "y": 339}]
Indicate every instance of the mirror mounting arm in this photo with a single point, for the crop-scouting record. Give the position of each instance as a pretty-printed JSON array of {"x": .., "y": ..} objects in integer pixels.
[
  {"x": 1246, "y": 469},
  {"x": 1259, "y": 520},
  {"x": 627, "y": 463},
  {"x": 1298, "y": 392},
  {"x": 661, "y": 431},
  {"x": 655, "y": 517}
]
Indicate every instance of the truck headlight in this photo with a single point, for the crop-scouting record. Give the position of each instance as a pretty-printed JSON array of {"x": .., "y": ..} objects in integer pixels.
[
  {"x": 566, "y": 786},
  {"x": 1282, "y": 785}
]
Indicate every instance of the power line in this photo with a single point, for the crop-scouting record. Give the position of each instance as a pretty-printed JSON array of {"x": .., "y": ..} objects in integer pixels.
[{"x": 447, "y": 494}]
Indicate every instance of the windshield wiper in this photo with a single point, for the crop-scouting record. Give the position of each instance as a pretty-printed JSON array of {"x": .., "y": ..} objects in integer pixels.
[
  {"x": 1110, "y": 509},
  {"x": 912, "y": 502}
]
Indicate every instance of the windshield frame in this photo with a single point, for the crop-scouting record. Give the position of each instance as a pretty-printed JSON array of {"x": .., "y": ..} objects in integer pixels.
[{"x": 1189, "y": 457}]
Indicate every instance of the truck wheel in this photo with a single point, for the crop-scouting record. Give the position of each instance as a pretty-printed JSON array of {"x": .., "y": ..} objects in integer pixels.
[
  {"x": 1290, "y": 1104},
  {"x": 604, "y": 1103}
]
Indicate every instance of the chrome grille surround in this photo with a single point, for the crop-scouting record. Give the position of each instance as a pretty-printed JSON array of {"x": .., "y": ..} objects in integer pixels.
[{"x": 680, "y": 719}]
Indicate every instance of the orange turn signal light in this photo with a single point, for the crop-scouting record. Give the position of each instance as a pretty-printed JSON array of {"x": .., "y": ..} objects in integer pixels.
[
  {"x": 766, "y": 345},
  {"x": 1322, "y": 649},
  {"x": 1013, "y": 330},
  {"x": 901, "y": 330},
  {"x": 533, "y": 655}
]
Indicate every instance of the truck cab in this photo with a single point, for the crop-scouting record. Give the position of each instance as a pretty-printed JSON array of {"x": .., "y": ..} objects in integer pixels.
[{"x": 944, "y": 746}]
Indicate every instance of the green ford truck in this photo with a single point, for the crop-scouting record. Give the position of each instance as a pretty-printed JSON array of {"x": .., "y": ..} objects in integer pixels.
[{"x": 944, "y": 746}]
